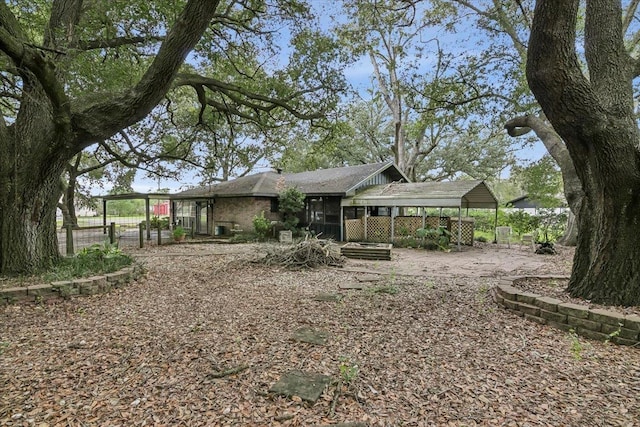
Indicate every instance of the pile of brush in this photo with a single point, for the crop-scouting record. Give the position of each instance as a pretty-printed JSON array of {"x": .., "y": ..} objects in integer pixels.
[{"x": 308, "y": 253}]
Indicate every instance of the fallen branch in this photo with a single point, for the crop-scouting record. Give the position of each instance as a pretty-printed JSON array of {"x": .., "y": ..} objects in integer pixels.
[
  {"x": 309, "y": 253},
  {"x": 228, "y": 372},
  {"x": 336, "y": 396},
  {"x": 284, "y": 417}
]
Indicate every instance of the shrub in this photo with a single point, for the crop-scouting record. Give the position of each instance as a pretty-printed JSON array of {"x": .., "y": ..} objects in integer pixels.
[
  {"x": 261, "y": 225},
  {"x": 290, "y": 202},
  {"x": 96, "y": 259},
  {"x": 551, "y": 226},
  {"x": 162, "y": 223},
  {"x": 521, "y": 222},
  {"x": 435, "y": 238},
  {"x": 179, "y": 232}
]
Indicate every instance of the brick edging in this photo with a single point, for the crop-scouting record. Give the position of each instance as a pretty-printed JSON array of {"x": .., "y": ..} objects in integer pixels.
[
  {"x": 597, "y": 324},
  {"x": 68, "y": 288}
]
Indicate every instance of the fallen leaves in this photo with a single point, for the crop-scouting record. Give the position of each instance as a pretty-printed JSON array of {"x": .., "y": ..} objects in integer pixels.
[{"x": 437, "y": 352}]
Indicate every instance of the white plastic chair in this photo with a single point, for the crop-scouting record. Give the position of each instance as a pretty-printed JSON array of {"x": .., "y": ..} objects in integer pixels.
[
  {"x": 503, "y": 235},
  {"x": 528, "y": 239}
]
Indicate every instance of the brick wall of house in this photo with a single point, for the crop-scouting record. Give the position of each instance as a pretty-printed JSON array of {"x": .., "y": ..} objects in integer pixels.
[{"x": 241, "y": 210}]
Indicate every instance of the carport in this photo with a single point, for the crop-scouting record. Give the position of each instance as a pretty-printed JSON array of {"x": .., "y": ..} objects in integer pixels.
[{"x": 453, "y": 194}]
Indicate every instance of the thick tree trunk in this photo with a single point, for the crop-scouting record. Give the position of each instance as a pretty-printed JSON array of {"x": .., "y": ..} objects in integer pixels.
[
  {"x": 596, "y": 119},
  {"x": 68, "y": 204},
  {"x": 570, "y": 236},
  {"x": 606, "y": 266},
  {"x": 28, "y": 224}
]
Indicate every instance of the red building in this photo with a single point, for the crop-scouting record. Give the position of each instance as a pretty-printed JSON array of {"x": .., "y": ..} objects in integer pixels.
[{"x": 161, "y": 208}]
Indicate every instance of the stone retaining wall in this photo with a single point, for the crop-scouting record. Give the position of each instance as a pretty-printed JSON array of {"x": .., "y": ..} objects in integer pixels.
[
  {"x": 68, "y": 288},
  {"x": 597, "y": 324}
]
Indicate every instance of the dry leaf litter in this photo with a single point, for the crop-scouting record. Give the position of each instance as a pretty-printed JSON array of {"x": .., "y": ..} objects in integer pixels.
[{"x": 201, "y": 339}]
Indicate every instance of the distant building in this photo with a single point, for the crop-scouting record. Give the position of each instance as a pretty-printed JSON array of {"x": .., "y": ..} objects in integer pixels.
[
  {"x": 161, "y": 208},
  {"x": 530, "y": 206}
]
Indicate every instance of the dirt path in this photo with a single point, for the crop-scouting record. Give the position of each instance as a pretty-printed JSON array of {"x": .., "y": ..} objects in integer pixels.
[{"x": 484, "y": 260}]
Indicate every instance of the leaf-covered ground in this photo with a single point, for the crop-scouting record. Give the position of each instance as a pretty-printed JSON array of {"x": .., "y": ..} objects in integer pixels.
[{"x": 423, "y": 350}]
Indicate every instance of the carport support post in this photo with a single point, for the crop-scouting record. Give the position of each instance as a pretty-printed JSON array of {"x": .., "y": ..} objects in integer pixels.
[
  {"x": 495, "y": 225},
  {"x": 459, "y": 227},
  {"x": 146, "y": 205},
  {"x": 366, "y": 208},
  {"x": 112, "y": 233}
]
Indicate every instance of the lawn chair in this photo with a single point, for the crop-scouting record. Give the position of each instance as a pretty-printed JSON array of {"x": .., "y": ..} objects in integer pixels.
[
  {"x": 528, "y": 239},
  {"x": 503, "y": 235}
]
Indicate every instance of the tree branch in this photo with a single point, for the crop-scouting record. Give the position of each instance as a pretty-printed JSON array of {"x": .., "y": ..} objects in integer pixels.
[
  {"x": 243, "y": 97},
  {"x": 31, "y": 62},
  {"x": 608, "y": 61},
  {"x": 553, "y": 70},
  {"x": 115, "y": 42},
  {"x": 101, "y": 120}
]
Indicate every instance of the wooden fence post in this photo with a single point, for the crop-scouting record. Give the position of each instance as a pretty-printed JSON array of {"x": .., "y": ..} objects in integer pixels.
[
  {"x": 159, "y": 235},
  {"x": 141, "y": 234},
  {"x": 112, "y": 233},
  {"x": 70, "y": 251}
]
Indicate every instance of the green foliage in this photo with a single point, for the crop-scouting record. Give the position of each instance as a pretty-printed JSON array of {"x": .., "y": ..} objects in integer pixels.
[
  {"x": 244, "y": 237},
  {"x": 576, "y": 346},
  {"x": 406, "y": 242},
  {"x": 261, "y": 225},
  {"x": 179, "y": 232},
  {"x": 435, "y": 238},
  {"x": 481, "y": 239},
  {"x": 541, "y": 181},
  {"x": 484, "y": 219},
  {"x": 290, "y": 203},
  {"x": 521, "y": 222},
  {"x": 162, "y": 223},
  {"x": 93, "y": 260},
  {"x": 125, "y": 207},
  {"x": 348, "y": 370},
  {"x": 552, "y": 225}
]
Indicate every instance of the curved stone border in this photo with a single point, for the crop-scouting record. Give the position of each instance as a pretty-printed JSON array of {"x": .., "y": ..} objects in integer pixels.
[
  {"x": 68, "y": 288},
  {"x": 597, "y": 324}
]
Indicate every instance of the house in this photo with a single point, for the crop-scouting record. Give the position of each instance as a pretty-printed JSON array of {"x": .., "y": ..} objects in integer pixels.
[
  {"x": 219, "y": 208},
  {"x": 529, "y": 206},
  {"x": 364, "y": 202}
]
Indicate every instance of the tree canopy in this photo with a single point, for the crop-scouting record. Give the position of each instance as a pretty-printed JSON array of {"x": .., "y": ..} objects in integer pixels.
[{"x": 76, "y": 73}]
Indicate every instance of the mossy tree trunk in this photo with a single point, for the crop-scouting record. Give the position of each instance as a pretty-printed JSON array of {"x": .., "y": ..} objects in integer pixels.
[
  {"x": 595, "y": 117},
  {"x": 50, "y": 127}
]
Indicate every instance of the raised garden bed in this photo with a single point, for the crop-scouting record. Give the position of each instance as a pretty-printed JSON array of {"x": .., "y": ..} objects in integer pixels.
[{"x": 375, "y": 251}]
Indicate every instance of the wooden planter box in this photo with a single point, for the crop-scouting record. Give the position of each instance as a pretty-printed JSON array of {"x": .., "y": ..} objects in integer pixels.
[{"x": 375, "y": 251}]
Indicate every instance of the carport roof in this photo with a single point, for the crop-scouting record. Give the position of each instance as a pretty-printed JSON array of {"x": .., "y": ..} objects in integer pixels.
[{"x": 453, "y": 194}]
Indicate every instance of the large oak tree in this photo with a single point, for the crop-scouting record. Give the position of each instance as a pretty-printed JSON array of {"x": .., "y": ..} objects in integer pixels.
[
  {"x": 57, "y": 99},
  {"x": 593, "y": 111}
]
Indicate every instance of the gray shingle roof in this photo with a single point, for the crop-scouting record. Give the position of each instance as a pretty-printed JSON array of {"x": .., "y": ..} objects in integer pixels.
[
  {"x": 333, "y": 181},
  {"x": 466, "y": 194}
]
